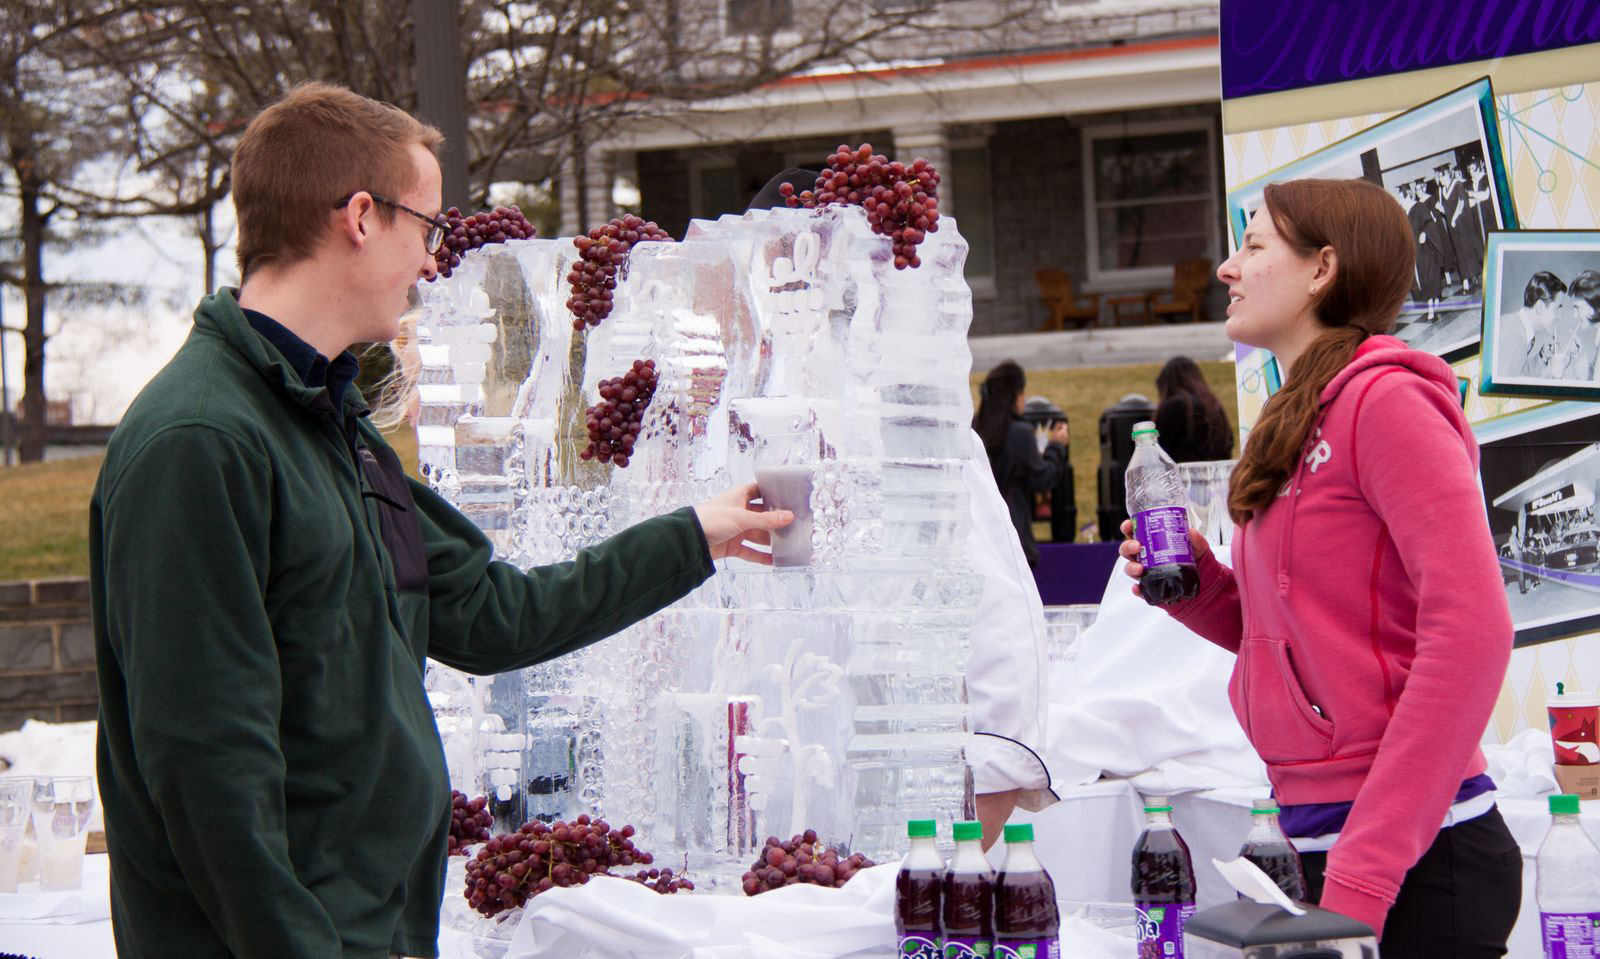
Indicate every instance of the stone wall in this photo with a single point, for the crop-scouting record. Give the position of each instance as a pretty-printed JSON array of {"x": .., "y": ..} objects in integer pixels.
[{"x": 46, "y": 652}]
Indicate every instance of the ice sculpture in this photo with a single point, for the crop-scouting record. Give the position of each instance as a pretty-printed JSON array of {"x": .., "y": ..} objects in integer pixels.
[{"x": 828, "y": 694}]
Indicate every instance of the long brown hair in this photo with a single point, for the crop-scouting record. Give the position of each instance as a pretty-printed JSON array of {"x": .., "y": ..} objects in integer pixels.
[{"x": 1376, "y": 255}]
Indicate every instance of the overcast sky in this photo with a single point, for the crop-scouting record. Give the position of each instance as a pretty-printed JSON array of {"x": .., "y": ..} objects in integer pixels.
[{"x": 102, "y": 357}]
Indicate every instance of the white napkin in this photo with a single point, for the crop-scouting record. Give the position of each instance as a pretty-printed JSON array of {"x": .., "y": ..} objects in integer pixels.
[
  {"x": 1082, "y": 939},
  {"x": 618, "y": 919},
  {"x": 1248, "y": 880},
  {"x": 91, "y": 903},
  {"x": 1523, "y": 768}
]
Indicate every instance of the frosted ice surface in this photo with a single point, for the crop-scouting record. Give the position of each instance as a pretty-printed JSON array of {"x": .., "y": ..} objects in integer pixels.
[{"x": 827, "y": 696}]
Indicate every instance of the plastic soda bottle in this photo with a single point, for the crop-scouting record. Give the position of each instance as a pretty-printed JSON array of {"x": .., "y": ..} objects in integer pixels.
[
  {"x": 969, "y": 897},
  {"x": 1271, "y": 850},
  {"x": 916, "y": 894},
  {"x": 1159, "y": 508},
  {"x": 1027, "y": 924},
  {"x": 1163, "y": 883},
  {"x": 1568, "y": 886}
]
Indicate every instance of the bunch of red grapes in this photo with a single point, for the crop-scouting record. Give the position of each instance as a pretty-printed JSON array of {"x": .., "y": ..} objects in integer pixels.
[
  {"x": 594, "y": 277},
  {"x": 614, "y": 422},
  {"x": 512, "y": 868},
  {"x": 469, "y": 821},
  {"x": 801, "y": 859},
  {"x": 470, "y": 232},
  {"x": 902, "y": 202}
]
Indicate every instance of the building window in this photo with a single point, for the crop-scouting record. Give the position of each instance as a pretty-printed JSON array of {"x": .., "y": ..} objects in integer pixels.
[
  {"x": 1151, "y": 194},
  {"x": 757, "y": 16},
  {"x": 716, "y": 191},
  {"x": 974, "y": 209}
]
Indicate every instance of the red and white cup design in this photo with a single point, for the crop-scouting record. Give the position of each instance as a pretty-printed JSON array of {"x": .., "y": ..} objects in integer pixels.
[{"x": 1574, "y": 720}]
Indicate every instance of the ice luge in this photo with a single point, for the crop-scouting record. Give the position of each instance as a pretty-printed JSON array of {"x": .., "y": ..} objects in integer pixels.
[{"x": 828, "y": 694}]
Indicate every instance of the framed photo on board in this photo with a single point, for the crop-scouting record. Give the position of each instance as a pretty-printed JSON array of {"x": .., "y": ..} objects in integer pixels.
[
  {"x": 1540, "y": 468},
  {"x": 1541, "y": 314},
  {"x": 1443, "y": 162}
]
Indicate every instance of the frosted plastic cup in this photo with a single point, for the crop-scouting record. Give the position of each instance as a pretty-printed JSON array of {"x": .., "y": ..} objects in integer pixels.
[
  {"x": 1575, "y": 728},
  {"x": 16, "y": 805},
  {"x": 61, "y": 809},
  {"x": 785, "y": 464}
]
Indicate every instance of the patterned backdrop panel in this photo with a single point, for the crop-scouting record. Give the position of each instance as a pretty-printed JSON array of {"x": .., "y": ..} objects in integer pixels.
[{"x": 1551, "y": 139}]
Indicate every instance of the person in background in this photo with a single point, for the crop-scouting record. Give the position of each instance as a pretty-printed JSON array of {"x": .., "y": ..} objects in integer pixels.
[
  {"x": 1584, "y": 298},
  {"x": 1525, "y": 341},
  {"x": 1365, "y": 601},
  {"x": 1020, "y": 469},
  {"x": 1190, "y": 419}
]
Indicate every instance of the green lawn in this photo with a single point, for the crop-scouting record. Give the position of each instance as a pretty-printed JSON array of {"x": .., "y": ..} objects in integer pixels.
[{"x": 44, "y": 507}]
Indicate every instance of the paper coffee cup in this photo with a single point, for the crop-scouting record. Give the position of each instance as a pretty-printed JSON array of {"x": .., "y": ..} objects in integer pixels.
[{"x": 1575, "y": 728}]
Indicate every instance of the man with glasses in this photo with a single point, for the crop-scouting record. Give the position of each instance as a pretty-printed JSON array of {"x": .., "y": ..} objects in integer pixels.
[{"x": 266, "y": 581}]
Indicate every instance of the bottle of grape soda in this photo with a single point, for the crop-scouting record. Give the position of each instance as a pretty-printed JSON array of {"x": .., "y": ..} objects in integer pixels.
[
  {"x": 1163, "y": 883},
  {"x": 1027, "y": 923},
  {"x": 1272, "y": 852},
  {"x": 969, "y": 897},
  {"x": 1568, "y": 887},
  {"x": 1158, "y": 506},
  {"x": 916, "y": 895}
]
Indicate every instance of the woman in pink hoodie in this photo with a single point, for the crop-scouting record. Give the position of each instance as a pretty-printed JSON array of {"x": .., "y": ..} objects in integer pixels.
[{"x": 1364, "y": 600}]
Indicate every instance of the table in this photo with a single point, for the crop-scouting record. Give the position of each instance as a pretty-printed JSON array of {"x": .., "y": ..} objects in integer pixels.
[
  {"x": 1141, "y": 300},
  {"x": 1100, "y": 822}
]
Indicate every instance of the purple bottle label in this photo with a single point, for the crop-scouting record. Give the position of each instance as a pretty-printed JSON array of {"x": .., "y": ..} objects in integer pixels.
[
  {"x": 968, "y": 947},
  {"x": 913, "y": 946},
  {"x": 1161, "y": 930},
  {"x": 1028, "y": 948},
  {"x": 1163, "y": 535},
  {"x": 1570, "y": 935}
]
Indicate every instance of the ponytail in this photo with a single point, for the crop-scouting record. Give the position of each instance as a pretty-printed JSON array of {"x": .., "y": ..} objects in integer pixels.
[{"x": 1277, "y": 438}]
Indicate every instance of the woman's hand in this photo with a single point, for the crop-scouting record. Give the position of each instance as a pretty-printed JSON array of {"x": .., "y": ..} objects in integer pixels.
[
  {"x": 1059, "y": 432},
  {"x": 1129, "y": 551},
  {"x": 730, "y": 524}
]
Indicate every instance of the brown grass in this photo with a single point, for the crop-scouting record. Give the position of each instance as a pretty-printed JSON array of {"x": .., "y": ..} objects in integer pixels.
[{"x": 44, "y": 507}]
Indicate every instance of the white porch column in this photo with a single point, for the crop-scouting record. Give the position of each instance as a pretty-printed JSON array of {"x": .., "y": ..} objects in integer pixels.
[
  {"x": 929, "y": 142},
  {"x": 598, "y": 208}
]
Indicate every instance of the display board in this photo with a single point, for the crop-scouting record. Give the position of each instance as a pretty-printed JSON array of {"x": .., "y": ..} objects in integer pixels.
[{"x": 1482, "y": 117}]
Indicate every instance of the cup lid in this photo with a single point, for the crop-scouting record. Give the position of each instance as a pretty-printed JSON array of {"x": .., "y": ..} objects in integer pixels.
[{"x": 1566, "y": 698}]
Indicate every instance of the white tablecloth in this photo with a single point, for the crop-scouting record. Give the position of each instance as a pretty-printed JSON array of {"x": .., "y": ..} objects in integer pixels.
[{"x": 1098, "y": 824}]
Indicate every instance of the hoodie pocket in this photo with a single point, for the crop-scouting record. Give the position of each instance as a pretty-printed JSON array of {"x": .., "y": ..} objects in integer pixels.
[{"x": 1273, "y": 709}]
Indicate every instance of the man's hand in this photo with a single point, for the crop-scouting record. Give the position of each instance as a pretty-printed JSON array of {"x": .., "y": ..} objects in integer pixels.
[
  {"x": 993, "y": 810},
  {"x": 730, "y": 524}
]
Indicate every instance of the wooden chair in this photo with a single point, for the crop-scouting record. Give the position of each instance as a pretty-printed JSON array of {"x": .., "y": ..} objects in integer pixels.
[
  {"x": 1055, "y": 289},
  {"x": 1190, "y": 280}
]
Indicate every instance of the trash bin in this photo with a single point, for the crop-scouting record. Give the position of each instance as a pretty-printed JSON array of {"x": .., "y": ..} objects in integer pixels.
[
  {"x": 1041, "y": 414},
  {"x": 1116, "y": 448}
]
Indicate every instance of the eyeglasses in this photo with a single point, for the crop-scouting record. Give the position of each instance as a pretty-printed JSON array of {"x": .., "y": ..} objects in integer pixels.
[{"x": 439, "y": 228}]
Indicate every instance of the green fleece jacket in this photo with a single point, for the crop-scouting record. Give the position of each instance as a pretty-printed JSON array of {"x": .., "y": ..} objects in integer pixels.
[{"x": 266, "y": 583}]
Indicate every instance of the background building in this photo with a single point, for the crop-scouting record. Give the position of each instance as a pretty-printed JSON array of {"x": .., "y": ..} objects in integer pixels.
[{"x": 1094, "y": 150}]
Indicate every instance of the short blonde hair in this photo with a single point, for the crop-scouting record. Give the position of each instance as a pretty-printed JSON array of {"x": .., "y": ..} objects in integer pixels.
[{"x": 306, "y": 152}]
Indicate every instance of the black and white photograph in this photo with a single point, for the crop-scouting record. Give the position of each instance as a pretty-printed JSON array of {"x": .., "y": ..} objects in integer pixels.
[
  {"x": 1540, "y": 470},
  {"x": 1541, "y": 315},
  {"x": 1442, "y": 161}
]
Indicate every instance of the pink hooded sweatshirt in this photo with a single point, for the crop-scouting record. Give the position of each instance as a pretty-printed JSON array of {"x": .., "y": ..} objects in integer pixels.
[{"x": 1369, "y": 616}]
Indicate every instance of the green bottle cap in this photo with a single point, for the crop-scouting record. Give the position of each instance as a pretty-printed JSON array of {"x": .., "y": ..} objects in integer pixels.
[
  {"x": 921, "y": 829},
  {"x": 1145, "y": 426},
  {"x": 1564, "y": 805},
  {"x": 1019, "y": 832},
  {"x": 969, "y": 829}
]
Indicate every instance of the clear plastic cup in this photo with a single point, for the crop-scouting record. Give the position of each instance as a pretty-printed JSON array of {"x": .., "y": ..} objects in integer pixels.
[
  {"x": 62, "y": 806},
  {"x": 785, "y": 465},
  {"x": 16, "y": 806}
]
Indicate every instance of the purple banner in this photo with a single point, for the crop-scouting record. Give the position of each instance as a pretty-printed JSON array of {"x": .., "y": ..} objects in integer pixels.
[{"x": 1272, "y": 45}]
